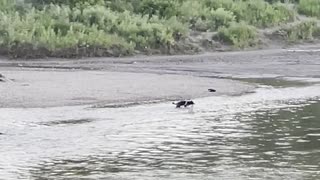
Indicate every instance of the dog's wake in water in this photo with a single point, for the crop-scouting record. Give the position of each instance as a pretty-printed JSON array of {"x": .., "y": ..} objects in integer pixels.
[
  {"x": 190, "y": 109},
  {"x": 188, "y": 103}
]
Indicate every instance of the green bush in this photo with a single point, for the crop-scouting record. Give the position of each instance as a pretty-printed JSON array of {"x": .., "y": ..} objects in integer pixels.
[
  {"x": 142, "y": 31},
  {"x": 255, "y": 12},
  {"x": 6, "y": 5},
  {"x": 220, "y": 18},
  {"x": 215, "y": 4},
  {"x": 22, "y": 36},
  {"x": 160, "y": 8},
  {"x": 202, "y": 18},
  {"x": 309, "y": 7},
  {"x": 282, "y": 1},
  {"x": 122, "y": 5},
  {"x": 70, "y": 3},
  {"x": 240, "y": 35},
  {"x": 192, "y": 10},
  {"x": 262, "y": 14},
  {"x": 118, "y": 27},
  {"x": 283, "y": 13},
  {"x": 57, "y": 28},
  {"x": 303, "y": 31}
]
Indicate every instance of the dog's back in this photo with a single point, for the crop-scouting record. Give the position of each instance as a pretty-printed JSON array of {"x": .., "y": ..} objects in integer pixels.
[
  {"x": 179, "y": 104},
  {"x": 183, "y": 103}
]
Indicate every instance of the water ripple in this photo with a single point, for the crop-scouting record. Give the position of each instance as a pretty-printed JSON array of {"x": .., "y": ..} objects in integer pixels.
[{"x": 272, "y": 134}]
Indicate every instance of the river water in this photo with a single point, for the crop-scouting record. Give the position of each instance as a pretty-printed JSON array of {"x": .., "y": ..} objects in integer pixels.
[{"x": 272, "y": 133}]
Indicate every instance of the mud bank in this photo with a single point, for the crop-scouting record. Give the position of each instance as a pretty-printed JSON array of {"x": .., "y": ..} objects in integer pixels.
[
  {"x": 104, "y": 81},
  {"x": 36, "y": 88}
]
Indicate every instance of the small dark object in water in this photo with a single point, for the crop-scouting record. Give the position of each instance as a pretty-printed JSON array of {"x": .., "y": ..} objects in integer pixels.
[
  {"x": 183, "y": 103},
  {"x": 211, "y": 90},
  {"x": 1, "y": 133}
]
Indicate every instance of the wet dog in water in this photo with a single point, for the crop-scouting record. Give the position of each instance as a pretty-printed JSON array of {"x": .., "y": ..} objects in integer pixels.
[{"x": 183, "y": 103}]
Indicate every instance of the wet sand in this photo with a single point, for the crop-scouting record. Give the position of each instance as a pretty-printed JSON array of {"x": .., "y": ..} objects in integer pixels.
[
  {"x": 36, "y": 88},
  {"x": 102, "y": 81}
]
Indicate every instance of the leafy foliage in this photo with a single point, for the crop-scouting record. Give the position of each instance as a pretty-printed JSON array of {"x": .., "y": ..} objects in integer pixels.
[
  {"x": 72, "y": 28},
  {"x": 239, "y": 34},
  {"x": 310, "y": 7},
  {"x": 305, "y": 30}
]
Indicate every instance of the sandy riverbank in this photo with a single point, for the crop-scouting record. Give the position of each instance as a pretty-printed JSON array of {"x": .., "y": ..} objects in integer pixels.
[
  {"x": 56, "y": 82},
  {"x": 36, "y": 88}
]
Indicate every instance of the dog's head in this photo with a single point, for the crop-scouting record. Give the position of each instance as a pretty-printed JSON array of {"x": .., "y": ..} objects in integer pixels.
[{"x": 190, "y": 103}]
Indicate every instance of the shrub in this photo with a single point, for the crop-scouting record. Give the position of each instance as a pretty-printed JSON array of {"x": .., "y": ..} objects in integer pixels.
[
  {"x": 202, "y": 18},
  {"x": 262, "y": 14},
  {"x": 57, "y": 28},
  {"x": 122, "y": 5},
  {"x": 6, "y": 5},
  {"x": 160, "y": 8},
  {"x": 309, "y": 7},
  {"x": 100, "y": 27},
  {"x": 220, "y": 18},
  {"x": 240, "y": 35},
  {"x": 283, "y": 13},
  {"x": 71, "y": 3},
  {"x": 24, "y": 36},
  {"x": 302, "y": 31},
  {"x": 215, "y": 4},
  {"x": 190, "y": 11},
  {"x": 142, "y": 31}
]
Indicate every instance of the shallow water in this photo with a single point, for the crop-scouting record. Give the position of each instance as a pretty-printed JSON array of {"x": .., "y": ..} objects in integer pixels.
[{"x": 273, "y": 133}]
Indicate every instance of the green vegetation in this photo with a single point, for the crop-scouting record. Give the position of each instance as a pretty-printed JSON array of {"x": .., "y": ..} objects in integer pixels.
[
  {"x": 306, "y": 30},
  {"x": 239, "y": 34},
  {"x": 310, "y": 7},
  {"x": 77, "y": 28}
]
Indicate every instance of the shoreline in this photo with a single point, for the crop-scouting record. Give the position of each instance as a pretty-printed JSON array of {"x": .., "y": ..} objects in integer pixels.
[
  {"x": 32, "y": 88},
  {"x": 107, "y": 82},
  {"x": 299, "y": 47}
]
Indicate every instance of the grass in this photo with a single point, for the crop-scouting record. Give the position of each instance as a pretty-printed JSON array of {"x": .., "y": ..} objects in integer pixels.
[
  {"x": 309, "y": 7},
  {"x": 76, "y": 28},
  {"x": 22, "y": 36},
  {"x": 240, "y": 35},
  {"x": 305, "y": 30},
  {"x": 61, "y": 31}
]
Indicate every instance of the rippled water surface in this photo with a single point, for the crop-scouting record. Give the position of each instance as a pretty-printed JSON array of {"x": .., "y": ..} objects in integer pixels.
[{"x": 270, "y": 134}]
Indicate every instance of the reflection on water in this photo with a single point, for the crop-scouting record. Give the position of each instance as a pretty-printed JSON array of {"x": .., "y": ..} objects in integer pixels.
[
  {"x": 66, "y": 122},
  {"x": 271, "y": 134},
  {"x": 276, "y": 82}
]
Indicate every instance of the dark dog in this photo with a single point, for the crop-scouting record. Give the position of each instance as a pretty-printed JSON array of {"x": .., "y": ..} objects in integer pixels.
[
  {"x": 211, "y": 90},
  {"x": 183, "y": 103},
  {"x": 2, "y": 78}
]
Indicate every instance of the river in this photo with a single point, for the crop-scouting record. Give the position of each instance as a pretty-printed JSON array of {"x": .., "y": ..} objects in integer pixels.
[{"x": 271, "y": 133}]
